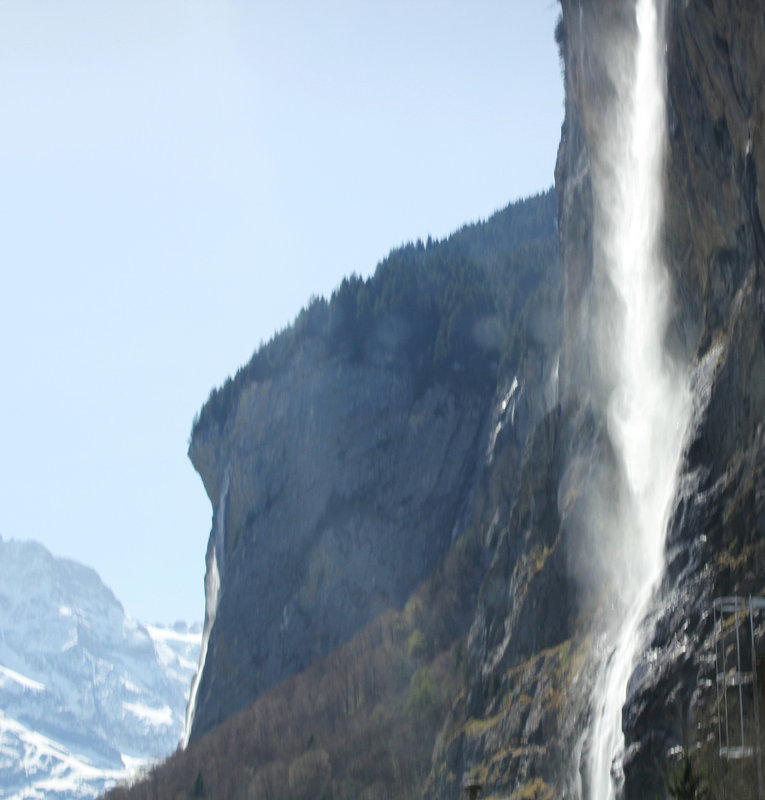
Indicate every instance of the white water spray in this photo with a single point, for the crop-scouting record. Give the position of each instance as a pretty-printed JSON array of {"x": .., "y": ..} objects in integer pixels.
[
  {"x": 212, "y": 593},
  {"x": 649, "y": 405}
]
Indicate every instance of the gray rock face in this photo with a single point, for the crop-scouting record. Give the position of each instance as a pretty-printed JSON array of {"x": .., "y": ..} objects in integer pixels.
[
  {"x": 716, "y": 80},
  {"x": 337, "y": 483},
  {"x": 533, "y": 646},
  {"x": 342, "y": 493},
  {"x": 343, "y": 460}
]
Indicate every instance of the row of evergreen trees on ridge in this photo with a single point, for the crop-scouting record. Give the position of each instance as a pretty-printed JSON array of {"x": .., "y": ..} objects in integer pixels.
[
  {"x": 362, "y": 722},
  {"x": 467, "y": 303}
]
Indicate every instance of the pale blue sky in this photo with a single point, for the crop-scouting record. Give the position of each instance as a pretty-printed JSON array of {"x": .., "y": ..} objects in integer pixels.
[{"x": 177, "y": 178}]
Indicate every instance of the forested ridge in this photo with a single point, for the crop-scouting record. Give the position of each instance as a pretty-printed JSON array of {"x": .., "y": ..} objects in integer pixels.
[
  {"x": 457, "y": 310},
  {"x": 472, "y": 311}
]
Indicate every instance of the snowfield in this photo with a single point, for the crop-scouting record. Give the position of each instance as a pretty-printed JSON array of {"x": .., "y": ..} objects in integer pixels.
[{"x": 88, "y": 695}]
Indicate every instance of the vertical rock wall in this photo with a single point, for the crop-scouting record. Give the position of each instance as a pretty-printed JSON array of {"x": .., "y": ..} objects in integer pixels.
[
  {"x": 520, "y": 726},
  {"x": 344, "y": 490}
]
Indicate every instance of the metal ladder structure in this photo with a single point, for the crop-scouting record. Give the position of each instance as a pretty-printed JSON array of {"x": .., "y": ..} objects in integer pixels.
[{"x": 737, "y": 684}]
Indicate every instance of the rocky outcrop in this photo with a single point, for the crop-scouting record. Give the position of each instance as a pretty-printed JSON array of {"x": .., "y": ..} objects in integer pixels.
[
  {"x": 340, "y": 476},
  {"x": 343, "y": 493}
]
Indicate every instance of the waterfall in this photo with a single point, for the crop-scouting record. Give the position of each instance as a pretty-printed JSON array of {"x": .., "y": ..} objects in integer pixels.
[
  {"x": 648, "y": 404},
  {"x": 212, "y": 593}
]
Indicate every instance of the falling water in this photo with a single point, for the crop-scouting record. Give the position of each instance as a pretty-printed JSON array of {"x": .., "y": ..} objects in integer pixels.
[
  {"x": 648, "y": 406},
  {"x": 212, "y": 595}
]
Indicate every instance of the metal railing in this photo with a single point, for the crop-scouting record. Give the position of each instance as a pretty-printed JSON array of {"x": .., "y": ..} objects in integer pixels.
[{"x": 732, "y": 615}]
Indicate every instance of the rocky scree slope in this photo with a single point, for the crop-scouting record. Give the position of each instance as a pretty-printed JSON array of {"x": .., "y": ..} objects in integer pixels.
[
  {"x": 341, "y": 461},
  {"x": 519, "y": 727}
]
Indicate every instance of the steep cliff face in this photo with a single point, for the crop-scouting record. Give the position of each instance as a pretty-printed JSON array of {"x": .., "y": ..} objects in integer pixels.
[
  {"x": 716, "y": 87},
  {"x": 342, "y": 492},
  {"x": 340, "y": 477},
  {"x": 342, "y": 462},
  {"x": 521, "y": 726}
]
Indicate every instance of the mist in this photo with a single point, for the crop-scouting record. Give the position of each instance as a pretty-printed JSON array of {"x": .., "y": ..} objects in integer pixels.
[{"x": 640, "y": 391}]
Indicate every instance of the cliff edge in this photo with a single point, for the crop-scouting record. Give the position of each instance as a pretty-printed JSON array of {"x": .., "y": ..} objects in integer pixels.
[{"x": 341, "y": 461}]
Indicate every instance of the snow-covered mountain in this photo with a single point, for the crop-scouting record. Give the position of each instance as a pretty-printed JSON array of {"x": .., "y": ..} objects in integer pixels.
[{"x": 87, "y": 694}]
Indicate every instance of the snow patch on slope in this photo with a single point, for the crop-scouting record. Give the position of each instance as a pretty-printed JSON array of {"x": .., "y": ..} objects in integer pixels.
[{"x": 87, "y": 694}]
